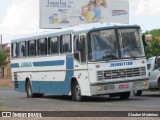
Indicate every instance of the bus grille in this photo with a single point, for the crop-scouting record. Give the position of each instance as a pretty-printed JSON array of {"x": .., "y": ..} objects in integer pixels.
[{"x": 121, "y": 73}]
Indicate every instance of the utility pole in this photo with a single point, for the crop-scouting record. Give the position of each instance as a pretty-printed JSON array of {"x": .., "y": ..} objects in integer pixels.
[{"x": 0, "y": 41}]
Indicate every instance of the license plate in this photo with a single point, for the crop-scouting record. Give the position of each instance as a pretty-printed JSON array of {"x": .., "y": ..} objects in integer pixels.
[{"x": 123, "y": 86}]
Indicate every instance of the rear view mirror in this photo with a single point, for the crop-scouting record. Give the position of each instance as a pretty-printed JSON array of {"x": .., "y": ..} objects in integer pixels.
[{"x": 144, "y": 40}]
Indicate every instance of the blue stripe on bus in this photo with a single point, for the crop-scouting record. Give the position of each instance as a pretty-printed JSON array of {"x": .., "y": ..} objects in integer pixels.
[
  {"x": 47, "y": 87},
  {"x": 52, "y": 87},
  {"x": 15, "y": 65},
  {"x": 48, "y": 63},
  {"x": 42, "y": 63}
]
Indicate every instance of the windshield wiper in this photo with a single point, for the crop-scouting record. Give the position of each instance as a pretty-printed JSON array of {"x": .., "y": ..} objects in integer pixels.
[
  {"x": 110, "y": 55},
  {"x": 130, "y": 53}
]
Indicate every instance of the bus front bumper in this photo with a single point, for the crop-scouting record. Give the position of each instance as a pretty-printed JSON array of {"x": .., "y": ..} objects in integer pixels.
[{"x": 117, "y": 87}]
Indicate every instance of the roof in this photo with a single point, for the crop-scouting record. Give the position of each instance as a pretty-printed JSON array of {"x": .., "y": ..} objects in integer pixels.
[{"x": 74, "y": 29}]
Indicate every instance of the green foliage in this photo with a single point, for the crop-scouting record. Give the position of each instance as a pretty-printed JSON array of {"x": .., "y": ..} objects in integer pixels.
[
  {"x": 2, "y": 57},
  {"x": 153, "y": 49},
  {"x": 154, "y": 32}
]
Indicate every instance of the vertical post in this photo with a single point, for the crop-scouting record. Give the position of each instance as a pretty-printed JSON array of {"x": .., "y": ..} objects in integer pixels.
[
  {"x": 0, "y": 41},
  {"x": 0, "y": 49}
]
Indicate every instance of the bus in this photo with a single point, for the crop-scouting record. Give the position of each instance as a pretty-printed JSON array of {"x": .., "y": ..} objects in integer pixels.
[{"x": 85, "y": 60}]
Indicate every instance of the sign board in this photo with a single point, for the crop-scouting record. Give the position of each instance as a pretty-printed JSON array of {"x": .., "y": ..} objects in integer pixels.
[{"x": 65, "y": 13}]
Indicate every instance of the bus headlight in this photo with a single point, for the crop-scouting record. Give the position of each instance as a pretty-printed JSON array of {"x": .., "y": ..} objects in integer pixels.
[
  {"x": 105, "y": 88},
  {"x": 140, "y": 84},
  {"x": 145, "y": 83},
  {"x": 100, "y": 88},
  {"x": 143, "y": 62}
]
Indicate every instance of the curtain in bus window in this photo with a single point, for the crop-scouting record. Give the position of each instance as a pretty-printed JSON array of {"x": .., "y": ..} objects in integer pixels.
[
  {"x": 14, "y": 50},
  {"x": 22, "y": 49}
]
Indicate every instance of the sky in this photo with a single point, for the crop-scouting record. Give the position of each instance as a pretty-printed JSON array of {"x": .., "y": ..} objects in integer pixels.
[{"x": 20, "y": 17}]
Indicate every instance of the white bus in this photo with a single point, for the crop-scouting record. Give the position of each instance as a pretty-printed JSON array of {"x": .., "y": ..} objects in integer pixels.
[{"x": 85, "y": 60}]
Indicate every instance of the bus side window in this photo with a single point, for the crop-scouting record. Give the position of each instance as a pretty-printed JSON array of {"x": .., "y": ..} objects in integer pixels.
[
  {"x": 82, "y": 48},
  {"x": 53, "y": 45},
  {"x": 76, "y": 48},
  {"x": 42, "y": 46},
  {"x": 22, "y": 49},
  {"x": 32, "y": 48},
  {"x": 79, "y": 46},
  {"x": 66, "y": 45},
  {"x": 14, "y": 50}
]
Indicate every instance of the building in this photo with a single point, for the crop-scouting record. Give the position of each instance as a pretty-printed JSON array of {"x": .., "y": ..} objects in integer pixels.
[
  {"x": 158, "y": 37},
  {"x": 149, "y": 37},
  {"x": 5, "y": 71}
]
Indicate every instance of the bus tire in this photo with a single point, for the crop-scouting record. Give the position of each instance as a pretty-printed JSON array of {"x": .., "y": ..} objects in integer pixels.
[
  {"x": 30, "y": 94},
  {"x": 137, "y": 92},
  {"x": 76, "y": 92},
  {"x": 124, "y": 95},
  {"x": 29, "y": 90}
]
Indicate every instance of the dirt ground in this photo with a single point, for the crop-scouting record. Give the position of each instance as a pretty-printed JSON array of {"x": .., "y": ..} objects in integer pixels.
[{"x": 5, "y": 82}]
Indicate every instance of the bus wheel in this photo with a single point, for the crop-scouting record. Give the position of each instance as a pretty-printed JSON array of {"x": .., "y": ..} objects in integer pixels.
[
  {"x": 29, "y": 90},
  {"x": 124, "y": 95},
  {"x": 137, "y": 92},
  {"x": 76, "y": 92}
]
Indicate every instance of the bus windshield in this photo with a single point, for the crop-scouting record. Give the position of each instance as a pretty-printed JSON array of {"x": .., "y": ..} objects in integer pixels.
[{"x": 105, "y": 45}]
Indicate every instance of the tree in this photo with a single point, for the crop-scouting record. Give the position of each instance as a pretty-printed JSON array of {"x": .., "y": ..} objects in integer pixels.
[
  {"x": 155, "y": 33},
  {"x": 2, "y": 57},
  {"x": 153, "y": 49}
]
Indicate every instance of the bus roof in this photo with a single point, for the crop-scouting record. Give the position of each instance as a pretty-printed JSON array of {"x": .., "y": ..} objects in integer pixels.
[{"x": 76, "y": 29}]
